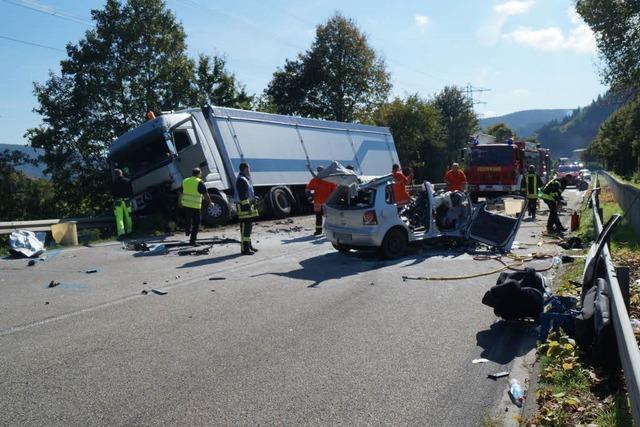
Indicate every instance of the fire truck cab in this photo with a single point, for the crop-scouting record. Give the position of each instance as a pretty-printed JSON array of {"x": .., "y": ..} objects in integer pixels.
[{"x": 495, "y": 169}]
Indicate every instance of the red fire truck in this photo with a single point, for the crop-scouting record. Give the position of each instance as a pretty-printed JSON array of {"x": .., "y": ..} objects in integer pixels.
[{"x": 495, "y": 169}]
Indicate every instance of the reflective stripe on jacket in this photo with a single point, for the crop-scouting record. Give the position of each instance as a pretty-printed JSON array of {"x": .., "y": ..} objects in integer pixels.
[
  {"x": 191, "y": 197},
  {"x": 531, "y": 184},
  {"x": 246, "y": 209},
  {"x": 552, "y": 191}
]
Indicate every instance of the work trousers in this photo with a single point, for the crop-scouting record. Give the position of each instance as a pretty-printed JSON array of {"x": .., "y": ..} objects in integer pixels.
[
  {"x": 554, "y": 220},
  {"x": 318, "y": 223},
  {"x": 246, "y": 225},
  {"x": 532, "y": 205},
  {"x": 192, "y": 217},
  {"x": 122, "y": 213}
]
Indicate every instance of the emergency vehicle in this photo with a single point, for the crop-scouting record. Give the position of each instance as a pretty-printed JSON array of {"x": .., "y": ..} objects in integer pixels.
[{"x": 495, "y": 168}]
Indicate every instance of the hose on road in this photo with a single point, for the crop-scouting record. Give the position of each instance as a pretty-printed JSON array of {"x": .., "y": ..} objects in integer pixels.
[{"x": 517, "y": 265}]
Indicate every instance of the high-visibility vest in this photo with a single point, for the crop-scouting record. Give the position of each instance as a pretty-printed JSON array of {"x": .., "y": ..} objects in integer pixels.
[
  {"x": 246, "y": 209},
  {"x": 191, "y": 198},
  {"x": 531, "y": 185},
  {"x": 552, "y": 190}
]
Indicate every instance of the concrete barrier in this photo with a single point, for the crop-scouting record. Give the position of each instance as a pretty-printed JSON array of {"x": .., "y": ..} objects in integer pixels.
[{"x": 628, "y": 197}]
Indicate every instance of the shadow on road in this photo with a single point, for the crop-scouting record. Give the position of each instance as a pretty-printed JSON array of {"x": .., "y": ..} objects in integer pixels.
[
  {"x": 209, "y": 261},
  {"x": 504, "y": 341},
  {"x": 315, "y": 240},
  {"x": 336, "y": 265}
]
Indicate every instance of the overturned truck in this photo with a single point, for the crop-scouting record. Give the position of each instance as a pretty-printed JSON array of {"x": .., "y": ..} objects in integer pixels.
[{"x": 281, "y": 150}]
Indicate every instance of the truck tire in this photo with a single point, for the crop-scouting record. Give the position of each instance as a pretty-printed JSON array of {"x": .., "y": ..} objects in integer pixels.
[
  {"x": 218, "y": 214},
  {"x": 394, "y": 244},
  {"x": 281, "y": 202}
]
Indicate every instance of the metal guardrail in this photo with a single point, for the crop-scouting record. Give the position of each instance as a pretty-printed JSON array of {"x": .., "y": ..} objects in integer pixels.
[
  {"x": 627, "y": 345},
  {"x": 45, "y": 224}
]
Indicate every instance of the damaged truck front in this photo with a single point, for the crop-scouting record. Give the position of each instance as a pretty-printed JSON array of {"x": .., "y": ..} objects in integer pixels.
[{"x": 281, "y": 150}]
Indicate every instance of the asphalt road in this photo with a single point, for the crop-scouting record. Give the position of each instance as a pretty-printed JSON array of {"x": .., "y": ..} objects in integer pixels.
[{"x": 297, "y": 334}]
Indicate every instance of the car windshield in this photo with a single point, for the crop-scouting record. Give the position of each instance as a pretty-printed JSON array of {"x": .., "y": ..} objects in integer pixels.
[
  {"x": 491, "y": 156},
  {"x": 364, "y": 198},
  {"x": 568, "y": 168}
]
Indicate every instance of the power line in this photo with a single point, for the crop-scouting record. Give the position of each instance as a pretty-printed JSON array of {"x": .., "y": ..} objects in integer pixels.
[
  {"x": 32, "y": 43},
  {"x": 46, "y": 9}
]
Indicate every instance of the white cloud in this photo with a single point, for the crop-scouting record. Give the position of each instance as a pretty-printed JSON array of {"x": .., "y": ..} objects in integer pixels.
[
  {"x": 579, "y": 38},
  {"x": 513, "y": 7},
  {"x": 421, "y": 21},
  {"x": 520, "y": 92},
  {"x": 489, "y": 31}
]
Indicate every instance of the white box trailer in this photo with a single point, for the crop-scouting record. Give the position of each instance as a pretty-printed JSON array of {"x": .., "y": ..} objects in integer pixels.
[{"x": 281, "y": 151}]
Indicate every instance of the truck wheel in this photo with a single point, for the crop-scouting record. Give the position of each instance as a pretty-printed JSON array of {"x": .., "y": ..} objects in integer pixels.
[
  {"x": 281, "y": 202},
  {"x": 394, "y": 244},
  {"x": 218, "y": 214},
  {"x": 341, "y": 248}
]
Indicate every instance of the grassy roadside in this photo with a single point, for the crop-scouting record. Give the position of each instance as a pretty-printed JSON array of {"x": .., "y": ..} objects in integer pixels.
[
  {"x": 570, "y": 390},
  {"x": 628, "y": 180}
]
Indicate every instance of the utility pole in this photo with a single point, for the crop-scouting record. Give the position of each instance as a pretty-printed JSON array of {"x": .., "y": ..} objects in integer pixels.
[{"x": 469, "y": 90}]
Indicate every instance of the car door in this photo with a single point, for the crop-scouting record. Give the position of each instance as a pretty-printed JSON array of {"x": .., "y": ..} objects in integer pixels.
[{"x": 494, "y": 229}]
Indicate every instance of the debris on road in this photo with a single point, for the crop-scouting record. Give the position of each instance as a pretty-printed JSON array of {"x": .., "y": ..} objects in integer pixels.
[
  {"x": 217, "y": 278},
  {"x": 46, "y": 303},
  {"x": 571, "y": 243},
  {"x": 92, "y": 270},
  {"x": 498, "y": 375},
  {"x": 53, "y": 284},
  {"x": 144, "y": 292},
  {"x": 31, "y": 262},
  {"x": 159, "y": 291},
  {"x": 203, "y": 251},
  {"x": 516, "y": 393},
  {"x": 566, "y": 259},
  {"x": 25, "y": 243},
  {"x": 482, "y": 360}
]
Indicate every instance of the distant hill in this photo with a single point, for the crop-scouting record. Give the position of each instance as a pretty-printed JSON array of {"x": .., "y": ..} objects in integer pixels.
[
  {"x": 579, "y": 128},
  {"x": 525, "y": 123},
  {"x": 29, "y": 170}
]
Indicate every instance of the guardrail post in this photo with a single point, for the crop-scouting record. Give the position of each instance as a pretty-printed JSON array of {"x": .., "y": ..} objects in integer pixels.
[{"x": 622, "y": 272}]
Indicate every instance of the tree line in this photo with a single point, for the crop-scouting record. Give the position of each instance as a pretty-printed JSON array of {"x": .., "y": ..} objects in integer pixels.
[
  {"x": 617, "y": 31},
  {"x": 134, "y": 59}
]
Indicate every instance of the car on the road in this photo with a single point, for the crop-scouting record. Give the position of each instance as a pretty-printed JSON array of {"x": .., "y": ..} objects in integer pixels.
[
  {"x": 365, "y": 216},
  {"x": 572, "y": 172},
  {"x": 586, "y": 174}
]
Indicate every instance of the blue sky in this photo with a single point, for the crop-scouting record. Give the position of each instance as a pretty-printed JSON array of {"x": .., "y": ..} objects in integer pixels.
[{"x": 530, "y": 53}]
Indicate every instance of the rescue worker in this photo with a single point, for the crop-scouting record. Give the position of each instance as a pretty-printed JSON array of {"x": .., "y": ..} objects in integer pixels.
[
  {"x": 321, "y": 191},
  {"x": 531, "y": 184},
  {"x": 122, "y": 191},
  {"x": 455, "y": 178},
  {"x": 191, "y": 195},
  {"x": 552, "y": 196},
  {"x": 246, "y": 208},
  {"x": 400, "y": 186}
]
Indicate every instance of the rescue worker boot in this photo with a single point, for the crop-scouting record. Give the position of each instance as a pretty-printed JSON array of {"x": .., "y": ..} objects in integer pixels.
[
  {"x": 252, "y": 249},
  {"x": 246, "y": 249}
]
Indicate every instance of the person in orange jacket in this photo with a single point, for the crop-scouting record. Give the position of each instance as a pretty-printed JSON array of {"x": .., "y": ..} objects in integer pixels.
[
  {"x": 321, "y": 191},
  {"x": 400, "y": 186},
  {"x": 455, "y": 178}
]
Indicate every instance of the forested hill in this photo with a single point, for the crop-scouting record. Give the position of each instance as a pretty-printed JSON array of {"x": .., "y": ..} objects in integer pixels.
[
  {"x": 527, "y": 122},
  {"x": 579, "y": 128},
  {"x": 34, "y": 171}
]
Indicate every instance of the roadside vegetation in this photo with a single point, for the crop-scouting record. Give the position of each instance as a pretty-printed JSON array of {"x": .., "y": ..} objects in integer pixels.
[{"x": 570, "y": 390}]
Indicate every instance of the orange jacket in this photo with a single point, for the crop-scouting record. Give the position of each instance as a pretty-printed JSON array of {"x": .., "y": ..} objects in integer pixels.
[
  {"x": 321, "y": 191},
  {"x": 400, "y": 188},
  {"x": 455, "y": 180}
]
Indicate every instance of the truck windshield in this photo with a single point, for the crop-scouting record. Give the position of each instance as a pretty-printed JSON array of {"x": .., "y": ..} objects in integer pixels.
[
  {"x": 364, "y": 198},
  {"x": 142, "y": 155},
  {"x": 491, "y": 156}
]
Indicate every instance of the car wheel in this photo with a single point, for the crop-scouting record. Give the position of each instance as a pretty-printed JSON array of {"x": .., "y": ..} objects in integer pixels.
[
  {"x": 218, "y": 214},
  {"x": 394, "y": 244},
  {"x": 280, "y": 202},
  {"x": 341, "y": 248}
]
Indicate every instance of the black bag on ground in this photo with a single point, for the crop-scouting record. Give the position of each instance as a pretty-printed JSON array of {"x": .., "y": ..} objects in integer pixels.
[
  {"x": 517, "y": 295},
  {"x": 594, "y": 327}
]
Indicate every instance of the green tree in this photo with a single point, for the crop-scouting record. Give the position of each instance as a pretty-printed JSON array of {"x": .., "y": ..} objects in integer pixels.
[
  {"x": 417, "y": 133},
  {"x": 458, "y": 119},
  {"x": 339, "y": 78},
  {"x": 616, "y": 25},
  {"x": 214, "y": 85},
  {"x": 501, "y": 131}
]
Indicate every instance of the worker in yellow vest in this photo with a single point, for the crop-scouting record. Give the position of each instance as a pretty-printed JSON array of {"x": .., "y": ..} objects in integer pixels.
[
  {"x": 246, "y": 207},
  {"x": 530, "y": 186},
  {"x": 191, "y": 195},
  {"x": 122, "y": 193}
]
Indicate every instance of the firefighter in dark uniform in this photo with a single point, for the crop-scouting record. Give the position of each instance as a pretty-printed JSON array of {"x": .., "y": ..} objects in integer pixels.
[
  {"x": 531, "y": 184},
  {"x": 552, "y": 196},
  {"x": 246, "y": 207},
  {"x": 122, "y": 191}
]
